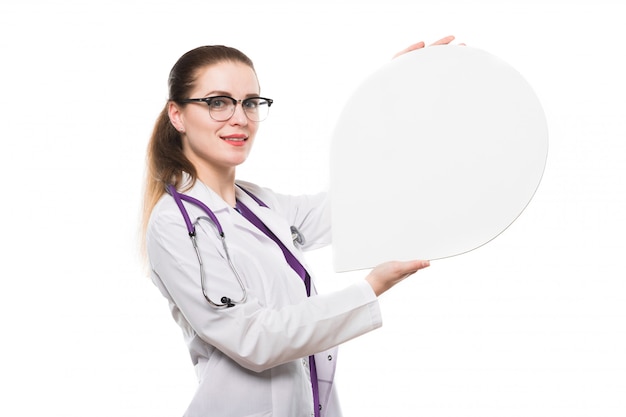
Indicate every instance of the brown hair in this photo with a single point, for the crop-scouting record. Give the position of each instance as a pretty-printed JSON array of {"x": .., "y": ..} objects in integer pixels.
[{"x": 165, "y": 159}]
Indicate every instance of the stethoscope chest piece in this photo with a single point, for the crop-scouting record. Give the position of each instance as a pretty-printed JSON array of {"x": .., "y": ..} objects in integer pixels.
[{"x": 296, "y": 236}]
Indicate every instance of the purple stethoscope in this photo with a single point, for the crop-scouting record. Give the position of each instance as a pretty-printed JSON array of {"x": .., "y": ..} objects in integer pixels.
[{"x": 191, "y": 229}]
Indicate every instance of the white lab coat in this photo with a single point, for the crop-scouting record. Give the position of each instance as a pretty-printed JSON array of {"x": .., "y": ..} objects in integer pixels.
[{"x": 251, "y": 359}]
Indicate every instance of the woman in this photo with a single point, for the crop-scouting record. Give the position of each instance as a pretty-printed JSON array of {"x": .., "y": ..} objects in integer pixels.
[{"x": 261, "y": 346}]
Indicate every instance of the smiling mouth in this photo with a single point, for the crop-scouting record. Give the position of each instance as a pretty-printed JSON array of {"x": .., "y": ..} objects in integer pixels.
[{"x": 235, "y": 138}]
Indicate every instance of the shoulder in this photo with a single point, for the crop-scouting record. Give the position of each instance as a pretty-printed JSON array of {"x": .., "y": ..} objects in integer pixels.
[
  {"x": 165, "y": 212},
  {"x": 264, "y": 194},
  {"x": 283, "y": 202}
]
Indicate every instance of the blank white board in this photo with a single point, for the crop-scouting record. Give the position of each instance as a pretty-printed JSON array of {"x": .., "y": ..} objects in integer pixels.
[{"x": 434, "y": 155}]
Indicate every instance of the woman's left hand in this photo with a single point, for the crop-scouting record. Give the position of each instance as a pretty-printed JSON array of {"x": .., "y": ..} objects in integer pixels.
[{"x": 420, "y": 45}]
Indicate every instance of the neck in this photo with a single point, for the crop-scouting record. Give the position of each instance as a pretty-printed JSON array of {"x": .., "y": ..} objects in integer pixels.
[{"x": 222, "y": 184}]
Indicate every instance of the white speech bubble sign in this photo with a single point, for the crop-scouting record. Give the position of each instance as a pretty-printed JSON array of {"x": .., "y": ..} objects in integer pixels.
[{"x": 434, "y": 155}]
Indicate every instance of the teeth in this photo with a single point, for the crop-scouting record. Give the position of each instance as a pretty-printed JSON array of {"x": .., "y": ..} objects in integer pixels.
[{"x": 235, "y": 139}]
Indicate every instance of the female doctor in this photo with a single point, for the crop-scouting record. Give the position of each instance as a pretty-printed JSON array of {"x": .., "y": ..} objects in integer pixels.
[{"x": 230, "y": 262}]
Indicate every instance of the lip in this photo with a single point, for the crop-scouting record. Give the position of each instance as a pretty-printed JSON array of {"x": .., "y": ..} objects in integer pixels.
[{"x": 236, "y": 139}]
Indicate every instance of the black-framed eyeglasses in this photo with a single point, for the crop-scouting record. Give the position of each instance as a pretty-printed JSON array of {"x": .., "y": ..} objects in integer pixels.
[{"x": 222, "y": 108}]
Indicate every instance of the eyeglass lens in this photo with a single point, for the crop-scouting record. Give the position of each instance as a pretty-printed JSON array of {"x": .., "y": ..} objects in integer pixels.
[{"x": 222, "y": 108}]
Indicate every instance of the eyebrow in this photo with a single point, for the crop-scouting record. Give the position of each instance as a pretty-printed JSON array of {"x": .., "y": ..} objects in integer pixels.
[{"x": 226, "y": 93}]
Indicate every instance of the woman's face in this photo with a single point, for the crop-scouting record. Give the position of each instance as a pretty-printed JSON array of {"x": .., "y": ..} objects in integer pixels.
[{"x": 207, "y": 143}]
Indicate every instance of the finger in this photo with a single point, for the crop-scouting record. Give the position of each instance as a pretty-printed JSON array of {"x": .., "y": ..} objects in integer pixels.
[
  {"x": 418, "y": 45},
  {"x": 412, "y": 267},
  {"x": 413, "y": 47},
  {"x": 443, "y": 41},
  {"x": 423, "y": 264}
]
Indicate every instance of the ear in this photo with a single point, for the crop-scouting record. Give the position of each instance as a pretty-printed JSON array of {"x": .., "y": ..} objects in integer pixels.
[{"x": 176, "y": 116}]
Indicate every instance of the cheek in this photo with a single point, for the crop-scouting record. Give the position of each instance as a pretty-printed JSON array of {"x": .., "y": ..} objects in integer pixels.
[
  {"x": 253, "y": 128},
  {"x": 197, "y": 118},
  {"x": 203, "y": 129}
]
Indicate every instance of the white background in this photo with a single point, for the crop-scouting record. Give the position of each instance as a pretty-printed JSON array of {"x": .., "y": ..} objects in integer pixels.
[{"x": 532, "y": 324}]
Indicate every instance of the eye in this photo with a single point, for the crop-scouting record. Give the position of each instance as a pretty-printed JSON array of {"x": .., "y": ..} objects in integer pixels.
[
  {"x": 251, "y": 103},
  {"x": 217, "y": 103}
]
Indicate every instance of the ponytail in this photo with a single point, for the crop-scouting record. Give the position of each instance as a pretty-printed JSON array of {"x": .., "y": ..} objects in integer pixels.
[{"x": 165, "y": 164}]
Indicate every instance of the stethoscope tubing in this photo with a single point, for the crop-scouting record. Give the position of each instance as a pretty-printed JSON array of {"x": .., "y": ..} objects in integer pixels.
[
  {"x": 178, "y": 198},
  {"x": 191, "y": 229}
]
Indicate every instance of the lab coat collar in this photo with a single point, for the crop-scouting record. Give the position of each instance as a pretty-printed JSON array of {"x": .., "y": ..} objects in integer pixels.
[
  {"x": 261, "y": 212},
  {"x": 205, "y": 194},
  {"x": 274, "y": 222},
  {"x": 226, "y": 215}
]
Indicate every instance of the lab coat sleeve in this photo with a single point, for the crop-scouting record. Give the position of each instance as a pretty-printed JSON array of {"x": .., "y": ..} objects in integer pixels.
[{"x": 256, "y": 337}]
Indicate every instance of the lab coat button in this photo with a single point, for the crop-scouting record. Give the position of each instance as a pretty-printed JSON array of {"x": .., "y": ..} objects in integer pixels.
[
  {"x": 330, "y": 357},
  {"x": 304, "y": 363}
]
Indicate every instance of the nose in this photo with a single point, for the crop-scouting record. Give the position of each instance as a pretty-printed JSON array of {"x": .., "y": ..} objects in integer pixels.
[{"x": 239, "y": 116}]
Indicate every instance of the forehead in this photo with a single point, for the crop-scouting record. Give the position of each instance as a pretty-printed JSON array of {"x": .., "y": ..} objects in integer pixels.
[{"x": 230, "y": 77}]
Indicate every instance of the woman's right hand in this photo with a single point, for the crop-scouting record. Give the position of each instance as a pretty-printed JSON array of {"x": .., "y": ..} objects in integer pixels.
[{"x": 388, "y": 274}]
